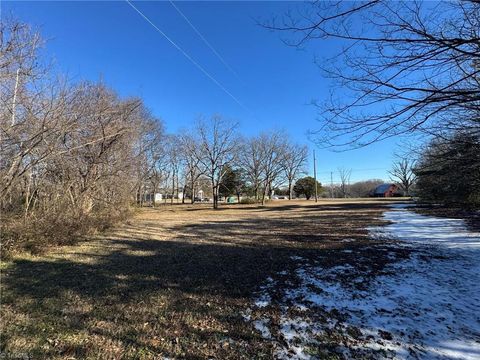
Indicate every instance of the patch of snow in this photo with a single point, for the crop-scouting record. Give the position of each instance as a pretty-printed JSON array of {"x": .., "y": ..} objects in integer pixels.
[
  {"x": 347, "y": 240},
  {"x": 262, "y": 327},
  {"x": 412, "y": 227},
  {"x": 427, "y": 306},
  {"x": 419, "y": 305},
  {"x": 247, "y": 314},
  {"x": 263, "y": 301}
]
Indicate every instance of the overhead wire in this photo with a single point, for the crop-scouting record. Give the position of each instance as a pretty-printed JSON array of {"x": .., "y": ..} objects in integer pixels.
[
  {"x": 200, "y": 35},
  {"x": 184, "y": 53}
]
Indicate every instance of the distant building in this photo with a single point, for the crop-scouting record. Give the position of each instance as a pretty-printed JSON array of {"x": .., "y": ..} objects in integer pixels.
[
  {"x": 385, "y": 190},
  {"x": 159, "y": 197}
]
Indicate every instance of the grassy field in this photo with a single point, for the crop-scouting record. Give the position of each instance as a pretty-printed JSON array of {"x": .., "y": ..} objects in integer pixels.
[{"x": 172, "y": 282}]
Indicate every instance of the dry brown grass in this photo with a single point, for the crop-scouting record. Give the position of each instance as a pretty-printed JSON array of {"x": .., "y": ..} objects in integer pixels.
[{"x": 171, "y": 282}]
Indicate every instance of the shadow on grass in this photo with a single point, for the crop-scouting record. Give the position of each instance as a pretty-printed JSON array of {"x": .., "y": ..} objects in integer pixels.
[
  {"x": 190, "y": 295},
  {"x": 180, "y": 297},
  {"x": 229, "y": 257},
  {"x": 205, "y": 268}
]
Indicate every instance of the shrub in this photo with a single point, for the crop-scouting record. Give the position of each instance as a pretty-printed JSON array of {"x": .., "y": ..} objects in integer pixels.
[
  {"x": 39, "y": 232},
  {"x": 248, "y": 200}
]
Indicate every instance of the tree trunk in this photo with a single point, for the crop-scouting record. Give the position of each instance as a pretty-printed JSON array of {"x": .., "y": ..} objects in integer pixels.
[
  {"x": 215, "y": 199},
  {"x": 142, "y": 196},
  {"x": 154, "y": 191},
  {"x": 173, "y": 187},
  {"x": 192, "y": 189},
  {"x": 214, "y": 195},
  {"x": 184, "y": 191},
  {"x": 290, "y": 189},
  {"x": 177, "y": 189},
  {"x": 27, "y": 197},
  {"x": 138, "y": 195},
  {"x": 264, "y": 193}
]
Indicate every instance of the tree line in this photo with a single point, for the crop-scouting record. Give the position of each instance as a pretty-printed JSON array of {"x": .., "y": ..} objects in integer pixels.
[
  {"x": 75, "y": 156},
  {"x": 214, "y": 154}
]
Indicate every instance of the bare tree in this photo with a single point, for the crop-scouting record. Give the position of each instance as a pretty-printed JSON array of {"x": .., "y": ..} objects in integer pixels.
[
  {"x": 31, "y": 104},
  {"x": 402, "y": 173},
  {"x": 364, "y": 188},
  {"x": 344, "y": 180},
  {"x": 251, "y": 159},
  {"x": 72, "y": 155},
  {"x": 293, "y": 164},
  {"x": 218, "y": 148},
  {"x": 190, "y": 150},
  {"x": 405, "y": 66},
  {"x": 150, "y": 160},
  {"x": 273, "y": 149},
  {"x": 269, "y": 160},
  {"x": 173, "y": 164}
]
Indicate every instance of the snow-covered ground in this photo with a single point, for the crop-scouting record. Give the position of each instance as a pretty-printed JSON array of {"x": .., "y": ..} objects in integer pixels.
[{"x": 424, "y": 306}]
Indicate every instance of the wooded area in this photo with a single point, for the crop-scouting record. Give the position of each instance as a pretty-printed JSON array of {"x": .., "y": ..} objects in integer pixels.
[{"x": 76, "y": 156}]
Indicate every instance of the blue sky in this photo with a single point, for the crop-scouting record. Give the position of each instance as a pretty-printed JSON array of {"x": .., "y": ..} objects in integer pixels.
[{"x": 274, "y": 82}]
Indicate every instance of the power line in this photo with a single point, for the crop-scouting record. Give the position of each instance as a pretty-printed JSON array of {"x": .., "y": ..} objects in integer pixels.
[
  {"x": 205, "y": 41},
  {"x": 188, "y": 57}
]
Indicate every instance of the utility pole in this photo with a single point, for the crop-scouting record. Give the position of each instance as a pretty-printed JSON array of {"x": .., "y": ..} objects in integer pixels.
[
  {"x": 331, "y": 184},
  {"x": 315, "y": 175}
]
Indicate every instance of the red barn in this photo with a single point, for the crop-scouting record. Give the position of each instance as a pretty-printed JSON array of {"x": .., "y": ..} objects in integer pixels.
[{"x": 385, "y": 190}]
